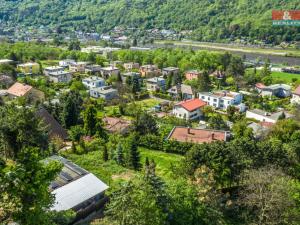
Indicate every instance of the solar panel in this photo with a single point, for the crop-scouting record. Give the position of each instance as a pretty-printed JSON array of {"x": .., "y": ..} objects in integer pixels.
[
  {"x": 75, "y": 168},
  {"x": 65, "y": 176}
]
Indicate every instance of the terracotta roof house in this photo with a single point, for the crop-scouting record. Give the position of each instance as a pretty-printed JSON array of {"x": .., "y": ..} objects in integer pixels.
[
  {"x": 54, "y": 128},
  {"x": 198, "y": 136},
  {"x": 192, "y": 74},
  {"x": 24, "y": 90},
  {"x": 117, "y": 125},
  {"x": 149, "y": 71},
  {"x": 189, "y": 109},
  {"x": 296, "y": 96}
]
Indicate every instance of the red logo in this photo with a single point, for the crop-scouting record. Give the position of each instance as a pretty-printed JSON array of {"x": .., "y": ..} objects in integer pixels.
[{"x": 286, "y": 15}]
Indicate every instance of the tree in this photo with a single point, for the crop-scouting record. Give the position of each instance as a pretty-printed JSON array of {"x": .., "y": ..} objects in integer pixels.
[
  {"x": 19, "y": 128},
  {"x": 134, "y": 203},
  {"x": 105, "y": 153},
  {"x": 25, "y": 196},
  {"x": 145, "y": 124},
  {"x": 216, "y": 122},
  {"x": 203, "y": 82},
  {"x": 267, "y": 192},
  {"x": 120, "y": 155},
  {"x": 74, "y": 45},
  {"x": 71, "y": 107},
  {"x": 76, "y": 132},
  {"x": 131, "y": 147},
  {"x": 240, "y": 129},
  {"x": 90, "y": 120}
]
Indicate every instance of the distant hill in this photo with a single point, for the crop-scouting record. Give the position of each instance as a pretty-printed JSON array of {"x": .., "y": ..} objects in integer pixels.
[{"x": 210, "y": 19}]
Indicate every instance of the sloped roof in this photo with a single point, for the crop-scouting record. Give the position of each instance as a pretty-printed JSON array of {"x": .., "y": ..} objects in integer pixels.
[
  {"x": 74, "y": 185},
  {"x": 185, "y": 134},
  {"x": 186, "y": 89},
  {"x": 55, "y": 129},
  {"x": 260, "y": 85},
  {"x": 192, "y": 104},
  {"x": 19, "y": 89},
  {"x": 116, "y": 124}
]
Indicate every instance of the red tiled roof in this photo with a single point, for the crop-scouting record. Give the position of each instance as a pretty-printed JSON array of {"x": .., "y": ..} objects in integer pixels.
[
  {"x": 184, "y": 134},
  {"x": 260, "y": 85},
  {"x": 192, "y": 104},
  {"x": 297, "y": 91},
  {"x": 18, "y": 89}
]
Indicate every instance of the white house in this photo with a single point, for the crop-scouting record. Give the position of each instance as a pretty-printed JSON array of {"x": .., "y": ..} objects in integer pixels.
[
  {"x": 189, "y": 109},
  {"x": 60, "y": 76},
  {"x": 221, "y": 99},
  {"x": 105, "y": 92},
  {"x": 52, "y": 69},
  {"x": 296, "y": 96},
  {"x": 66, "y": 63},
  {"x": 264, "y": 116},
  {"x": 278, "y": 90},
  {"x": 93, "y": 82}
]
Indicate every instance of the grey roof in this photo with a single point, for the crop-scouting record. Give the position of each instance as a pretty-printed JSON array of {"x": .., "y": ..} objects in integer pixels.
[
  {"x": 170, "y": 69},
  {"x": 104, "y": 90},
  {"x": 155, "y": 79},
  {"x": 274, "y": 116},
  {"x": 74, "y": 185},
  {"x": 93, "y": 78},
  {"x": 58, "y": 73},
  {"x": 187, "y": 89},
  {"x": 279, "y": 86}
]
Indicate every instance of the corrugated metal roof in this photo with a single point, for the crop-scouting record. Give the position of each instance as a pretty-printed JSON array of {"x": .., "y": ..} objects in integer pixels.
[{"x": 78, "y": 191}]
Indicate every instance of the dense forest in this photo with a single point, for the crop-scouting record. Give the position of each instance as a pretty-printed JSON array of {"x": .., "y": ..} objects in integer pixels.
[{"x": 211, "y": 20}]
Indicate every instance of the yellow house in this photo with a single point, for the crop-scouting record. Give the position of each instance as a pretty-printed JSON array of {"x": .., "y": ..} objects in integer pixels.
[{"x": 32, "y": 68}]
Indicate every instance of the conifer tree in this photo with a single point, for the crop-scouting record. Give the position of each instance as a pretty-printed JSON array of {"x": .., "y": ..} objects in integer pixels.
[
  {"x": 120, "y": 156},
  {"x": 105, "y": 153},
  {"x": 133, "y": 153}
]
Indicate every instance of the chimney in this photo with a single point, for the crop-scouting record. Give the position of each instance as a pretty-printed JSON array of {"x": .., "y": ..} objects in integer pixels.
[{"x": 213, "y": 136}]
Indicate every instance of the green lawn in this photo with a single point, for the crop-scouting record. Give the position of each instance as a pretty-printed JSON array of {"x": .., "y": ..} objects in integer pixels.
[
  {"x": 164, "y": 161},
  {"x": 113, "y": 174},
  {"x": 145, "y": 104},
  {"x": 286, "y": 77}
]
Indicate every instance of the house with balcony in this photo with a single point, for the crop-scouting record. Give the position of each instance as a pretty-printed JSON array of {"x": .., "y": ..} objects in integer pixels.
[
  {"x": 106, "y": 92},
  {"x": 221, "y": 99},
  {"x": 131, "y": 66},
  {"x": 52, "y": 69},
  {"x": 78, "y": 67},
  {"x": 60, "y": 76},
  {"x": 29, "y": 68},
  {"x": 93, "y": 82}
]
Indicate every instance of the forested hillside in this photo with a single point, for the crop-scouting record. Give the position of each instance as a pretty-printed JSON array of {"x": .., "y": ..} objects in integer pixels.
[{"x": 210, "y": 19}]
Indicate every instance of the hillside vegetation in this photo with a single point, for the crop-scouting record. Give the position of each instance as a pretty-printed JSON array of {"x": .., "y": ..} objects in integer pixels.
[{"x": 210, "y": 19}]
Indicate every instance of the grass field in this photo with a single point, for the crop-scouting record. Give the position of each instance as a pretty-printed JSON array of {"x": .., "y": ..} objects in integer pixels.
[
  {"x": 232, "y": 48},
  {"x": 286, "y": 77},
  {"x": 145, "y": 104},
  {"x": 113, "y": 174}
]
